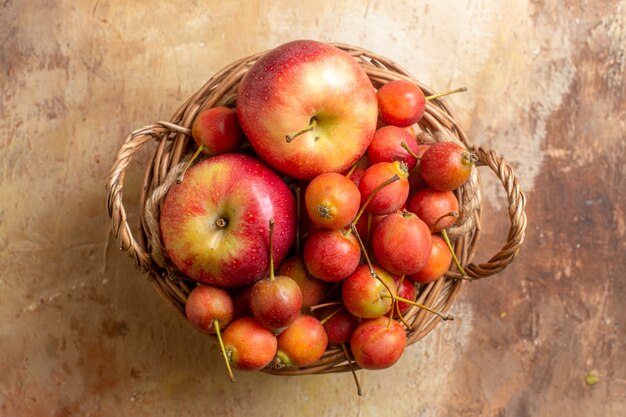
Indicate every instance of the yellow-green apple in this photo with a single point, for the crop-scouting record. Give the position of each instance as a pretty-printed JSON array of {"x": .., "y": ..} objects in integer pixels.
[
  {"x": 307, "y": 108},
  {"x": 215, "y": 224},
  {"x": 366, "y": 296}
]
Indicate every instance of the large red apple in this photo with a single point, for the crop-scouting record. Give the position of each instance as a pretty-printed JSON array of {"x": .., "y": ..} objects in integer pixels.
[
  {"x": 307, "y": 108},
  {"x": 215, "y": 224}
]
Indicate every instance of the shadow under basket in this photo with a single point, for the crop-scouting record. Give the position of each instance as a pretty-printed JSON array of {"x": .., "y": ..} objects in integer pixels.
[{"x": 173, "y": 146}]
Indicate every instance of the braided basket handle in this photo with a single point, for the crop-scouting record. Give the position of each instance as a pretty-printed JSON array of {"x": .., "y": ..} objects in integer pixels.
[
  {"x": 119, "y": 221},
  {"x": 517, "y": 203}
]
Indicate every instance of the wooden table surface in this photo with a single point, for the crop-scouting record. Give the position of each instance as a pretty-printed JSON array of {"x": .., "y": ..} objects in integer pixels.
[{"x": 84, "y": 334}]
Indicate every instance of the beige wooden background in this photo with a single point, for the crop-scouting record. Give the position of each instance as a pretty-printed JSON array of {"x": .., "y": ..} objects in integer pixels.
[{"x": 82, "y": 333}]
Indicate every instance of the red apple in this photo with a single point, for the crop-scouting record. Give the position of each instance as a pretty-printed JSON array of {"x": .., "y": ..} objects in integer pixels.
[
  {"x": 331, "y": 255},
  {"x": 340, "y": 326},
  {"x": 446, "y": 166},
  {"x": 378, "y": 343},
  {"x": 215, "y": 224},
  {"x": 332, "y": 200},
  {"x": 302, "y": 343},
  {"x": 217, "y": 131},
  {"x": 401, "y": 243},
  {"x": 393, "y": 195},
  {"x": 248, "y": 345},
  {"x": 406, "y": 290},
  {"x": 387, "y": 146},
  {"x": 356, "y": 171},
  {"x": 307, "y": 108},
  {"x": 401, "y": 103},
  {"x": 438, "y": 262},
  {"x": 312, "y": 289},
  {"x": 438, "y": 209},
  {"x": 206, "y": 306}
]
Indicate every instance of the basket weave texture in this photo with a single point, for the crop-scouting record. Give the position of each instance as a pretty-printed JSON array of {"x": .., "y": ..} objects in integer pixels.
[{"x": 173, "y": 146}]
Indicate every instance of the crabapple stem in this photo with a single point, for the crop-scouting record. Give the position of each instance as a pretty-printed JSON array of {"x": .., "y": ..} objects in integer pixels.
[
  {"x": 445, "y": 93},
  {"x": 413, "y": 154},
  {"x": 318, "y": 306},
  {"x": 368, "y": 261},
  {"x": 401, "y": 317},
  {"x": 216, "y": 324},
  {"x": 352, "y": 169},
  {"x": 271, "y": 249},
  {"x": 328, "y": 317},
  {"x": 449, "y": 214},
  {"x": 444, "y": 234},
  {"x": 468, "y": 158},
  {"x": 422, "y": 306},
  {"x": 291, "y": 136},
  {"x": 181, "y": 176},
  {"x": 396, "y": 177},
  {"x": 350, "y": 364}
]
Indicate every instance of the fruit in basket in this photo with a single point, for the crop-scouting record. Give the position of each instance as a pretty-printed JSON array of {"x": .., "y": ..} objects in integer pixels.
[
  {"x": 275, "y": 301},
  {"x": 378, "y": 343},
  {"x": 313, "y": 290},
  {"x": 248, "y": 345},
  {"x": 215, "y": 224},
  {"x": 400, "y": 103},
  {"x": 302, "y": 343},
  {"x": 339, "y": 325},
  {"x": 216, "y": 130},
  {"x": 446, "y": 166},
  {"x": 387, "y": 146},
  {"x": 332, "y": 200},
  {"x": 386, "y": 197},
  {"x": 208, "y": 307},
  {"x": 307, "y": 108},
  {"x": 406, "y": 290},
  {"x": 438, "y": 209},
  {"x": 437, "y": 264},
  {"x": 366, "y": 296},
  {"x": 331, "y": 255},
  {"x": 401, "y": 243}
]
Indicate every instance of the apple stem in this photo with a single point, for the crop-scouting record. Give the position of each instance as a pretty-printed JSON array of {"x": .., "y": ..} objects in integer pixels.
[
  {"x": 468, "y": 158},
  {"x": 396, "y": 177},
  {"x": 271, "y": 249},
  {"x": 298, "y": 203},
  {"x": 449, "y": 214},
  {"x": 351, "y": 365},
  {"x": 444, "y": 234},
  {"x": 181, "y": 176},
  {"x": 352, "y": 169},
  {"x": 328, "y": 317},
  {"x": 445, "y": 93},
  {"x": 401, "y": 317},
  {"x": 413, "y": 154},
  {"x": 318, "y": 306},
  {"x": 369, "y": 262},
  {"x": 291, "y": 136},
  {"x": 216, "y": 324},
  {"x": 422, "y": 306}
]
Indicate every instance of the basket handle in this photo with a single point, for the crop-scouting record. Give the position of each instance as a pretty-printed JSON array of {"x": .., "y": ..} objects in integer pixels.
[
  {"x": 119, "y": 222},
  {"x": 517, "y": 203}
]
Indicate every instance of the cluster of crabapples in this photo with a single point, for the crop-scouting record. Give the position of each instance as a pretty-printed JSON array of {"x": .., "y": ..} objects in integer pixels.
[{"x": 307, "y": 253}]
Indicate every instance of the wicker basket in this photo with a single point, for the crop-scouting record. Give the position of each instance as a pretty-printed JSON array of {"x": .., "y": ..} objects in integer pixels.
[{"x": 173, "y": 147}]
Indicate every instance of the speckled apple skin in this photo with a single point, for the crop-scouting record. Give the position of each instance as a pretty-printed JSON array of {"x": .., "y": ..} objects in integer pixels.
[
  {"x": 291, "y": 84},
  {"x": 377, "y": 345},
  {"x": 249, "y": 345},
  {"x": 247, "y": 194}
]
